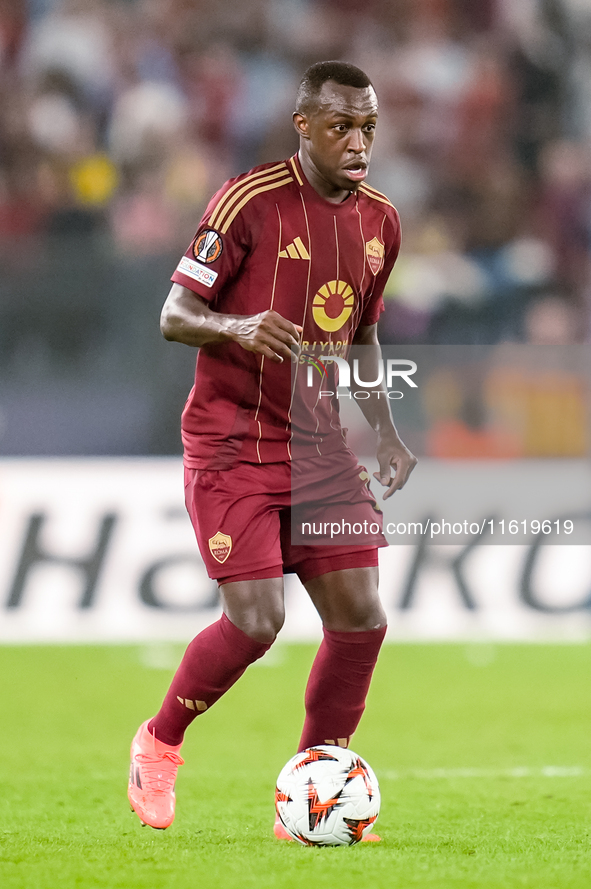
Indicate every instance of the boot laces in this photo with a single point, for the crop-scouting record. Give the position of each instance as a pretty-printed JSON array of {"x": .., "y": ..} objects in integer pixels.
[{"x": 159, "y": 770}]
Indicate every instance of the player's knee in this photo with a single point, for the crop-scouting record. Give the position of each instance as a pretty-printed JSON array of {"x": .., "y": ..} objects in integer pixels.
[
  {"x": 358, "y": 618},
  {"x": 371, "y": 621},
  {"x": 261, "y": 624},
  {"x": 255, "y": 607},
  {"x": 265, "y": 627},
  {"x": 364, "y": 612}
]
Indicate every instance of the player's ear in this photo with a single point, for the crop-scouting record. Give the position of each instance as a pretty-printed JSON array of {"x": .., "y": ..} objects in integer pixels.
[{"x": 301, "y": 124}]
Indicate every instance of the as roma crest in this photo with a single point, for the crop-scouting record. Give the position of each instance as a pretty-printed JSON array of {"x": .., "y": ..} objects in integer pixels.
[
  {"x": 375, "y": 250},
  {"x": 220, "y": 546}
]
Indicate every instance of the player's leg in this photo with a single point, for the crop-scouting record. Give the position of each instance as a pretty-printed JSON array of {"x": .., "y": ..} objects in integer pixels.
[
  {"x": 347, "y": 600},
  {"x": 354, "y": 626},
  {"x": 340, "y": 574},
  {"x": 212, "y": 663},
  {"x": 238, "y": 534},
  {"x": 219, "y": 655},
  {"x": 255, "y": 606}
]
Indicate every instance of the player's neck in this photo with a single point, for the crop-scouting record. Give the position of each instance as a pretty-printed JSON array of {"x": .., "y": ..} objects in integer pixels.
[{"x": 320, "y": 184}]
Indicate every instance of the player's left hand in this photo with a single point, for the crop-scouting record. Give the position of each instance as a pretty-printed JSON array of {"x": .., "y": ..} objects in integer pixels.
[{"x": 392, "y": 453}]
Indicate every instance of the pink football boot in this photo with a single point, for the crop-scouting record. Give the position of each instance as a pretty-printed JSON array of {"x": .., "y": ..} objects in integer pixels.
[{"x": 151, "y": 779}]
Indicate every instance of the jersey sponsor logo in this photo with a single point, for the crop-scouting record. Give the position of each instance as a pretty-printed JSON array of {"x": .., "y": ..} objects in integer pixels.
[
  {"x": 333, "y": 304},
  {"x": 197, "y": 271},
  {"x": 295, "y": 250},
  {"x": 207, "y": 246},
  {"x": 375, "y": 251},
  {"x": 220, "y": 546}
]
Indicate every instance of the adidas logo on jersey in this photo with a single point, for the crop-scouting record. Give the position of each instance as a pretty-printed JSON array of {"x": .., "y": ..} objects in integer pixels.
[{"x": 295, "y": 250}]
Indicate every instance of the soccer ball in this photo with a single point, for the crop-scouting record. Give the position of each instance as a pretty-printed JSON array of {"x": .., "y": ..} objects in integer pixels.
[{"x": 327, "y": 796}]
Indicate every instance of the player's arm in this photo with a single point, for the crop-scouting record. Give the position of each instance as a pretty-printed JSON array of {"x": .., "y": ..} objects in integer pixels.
[
  {"x": 186, "y": 318},
  {"x": 391, "y": 451}
]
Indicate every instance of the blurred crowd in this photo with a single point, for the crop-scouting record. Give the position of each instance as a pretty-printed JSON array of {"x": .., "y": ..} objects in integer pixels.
[{"x": 119, "y": 118}]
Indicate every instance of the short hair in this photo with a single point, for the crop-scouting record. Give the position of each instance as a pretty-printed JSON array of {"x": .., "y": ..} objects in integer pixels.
[{"x": 318, "y": 74}]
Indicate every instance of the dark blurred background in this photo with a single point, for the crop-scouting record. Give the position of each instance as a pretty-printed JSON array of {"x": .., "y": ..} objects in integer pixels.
[{"x": 119, "y": 118}]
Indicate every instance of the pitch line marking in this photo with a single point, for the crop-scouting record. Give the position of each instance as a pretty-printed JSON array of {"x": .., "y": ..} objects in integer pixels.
[{"x": 517, "y": 772}]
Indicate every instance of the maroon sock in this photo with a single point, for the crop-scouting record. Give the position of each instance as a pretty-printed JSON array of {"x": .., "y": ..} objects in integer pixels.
[
  {"x": 338, "y": 685},
  {"x": 212, "y": 663}
]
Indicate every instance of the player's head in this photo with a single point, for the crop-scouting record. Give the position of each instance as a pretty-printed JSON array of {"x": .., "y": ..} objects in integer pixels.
[
  {"x": 335, "y": 117},
  {"x": 317, "y": 75}
]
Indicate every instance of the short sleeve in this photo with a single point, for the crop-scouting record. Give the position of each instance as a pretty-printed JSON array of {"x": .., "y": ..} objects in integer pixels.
[{"x": 213, "y": 259}]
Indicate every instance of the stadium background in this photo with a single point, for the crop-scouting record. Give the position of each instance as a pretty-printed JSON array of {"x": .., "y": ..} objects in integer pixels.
[{"x": 117, "y": 122}]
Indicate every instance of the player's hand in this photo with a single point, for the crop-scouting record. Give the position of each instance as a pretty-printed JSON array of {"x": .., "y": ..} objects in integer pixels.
[
  {"x": 393, "y": 454},
  {"x": 269, "y": 334}
]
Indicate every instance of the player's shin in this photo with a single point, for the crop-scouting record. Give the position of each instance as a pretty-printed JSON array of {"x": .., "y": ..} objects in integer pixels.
[
  {"x": 212, "y": 663},
  {"x": 338, "y": 686}
]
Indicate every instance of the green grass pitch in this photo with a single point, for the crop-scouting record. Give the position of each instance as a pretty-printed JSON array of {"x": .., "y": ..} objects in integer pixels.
[{"x": 483, "y": 755}]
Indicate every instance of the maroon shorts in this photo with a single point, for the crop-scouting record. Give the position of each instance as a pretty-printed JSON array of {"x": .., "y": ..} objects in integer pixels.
[{"x": 243, "y": 518}]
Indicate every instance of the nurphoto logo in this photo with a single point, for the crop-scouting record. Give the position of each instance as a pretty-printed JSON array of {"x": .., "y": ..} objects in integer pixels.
[{"x": 389, "y": 371}]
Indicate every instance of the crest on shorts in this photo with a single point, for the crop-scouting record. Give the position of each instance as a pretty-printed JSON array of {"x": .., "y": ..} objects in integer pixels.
[
  {"x": 220, "y": 546},
  {"x": 375, "y": 250},
  {"x": 207, "y": 246}
]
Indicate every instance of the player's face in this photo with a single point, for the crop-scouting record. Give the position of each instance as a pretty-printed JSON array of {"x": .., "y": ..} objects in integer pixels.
[{"x": 337, "y": 138}]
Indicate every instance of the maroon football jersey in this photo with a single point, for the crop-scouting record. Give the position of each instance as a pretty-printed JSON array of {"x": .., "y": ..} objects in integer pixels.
[{"x": 268, "y": 240}]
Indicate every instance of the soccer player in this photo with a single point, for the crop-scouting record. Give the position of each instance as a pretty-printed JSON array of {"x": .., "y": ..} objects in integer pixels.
[{"x": 290, "y": 256}]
